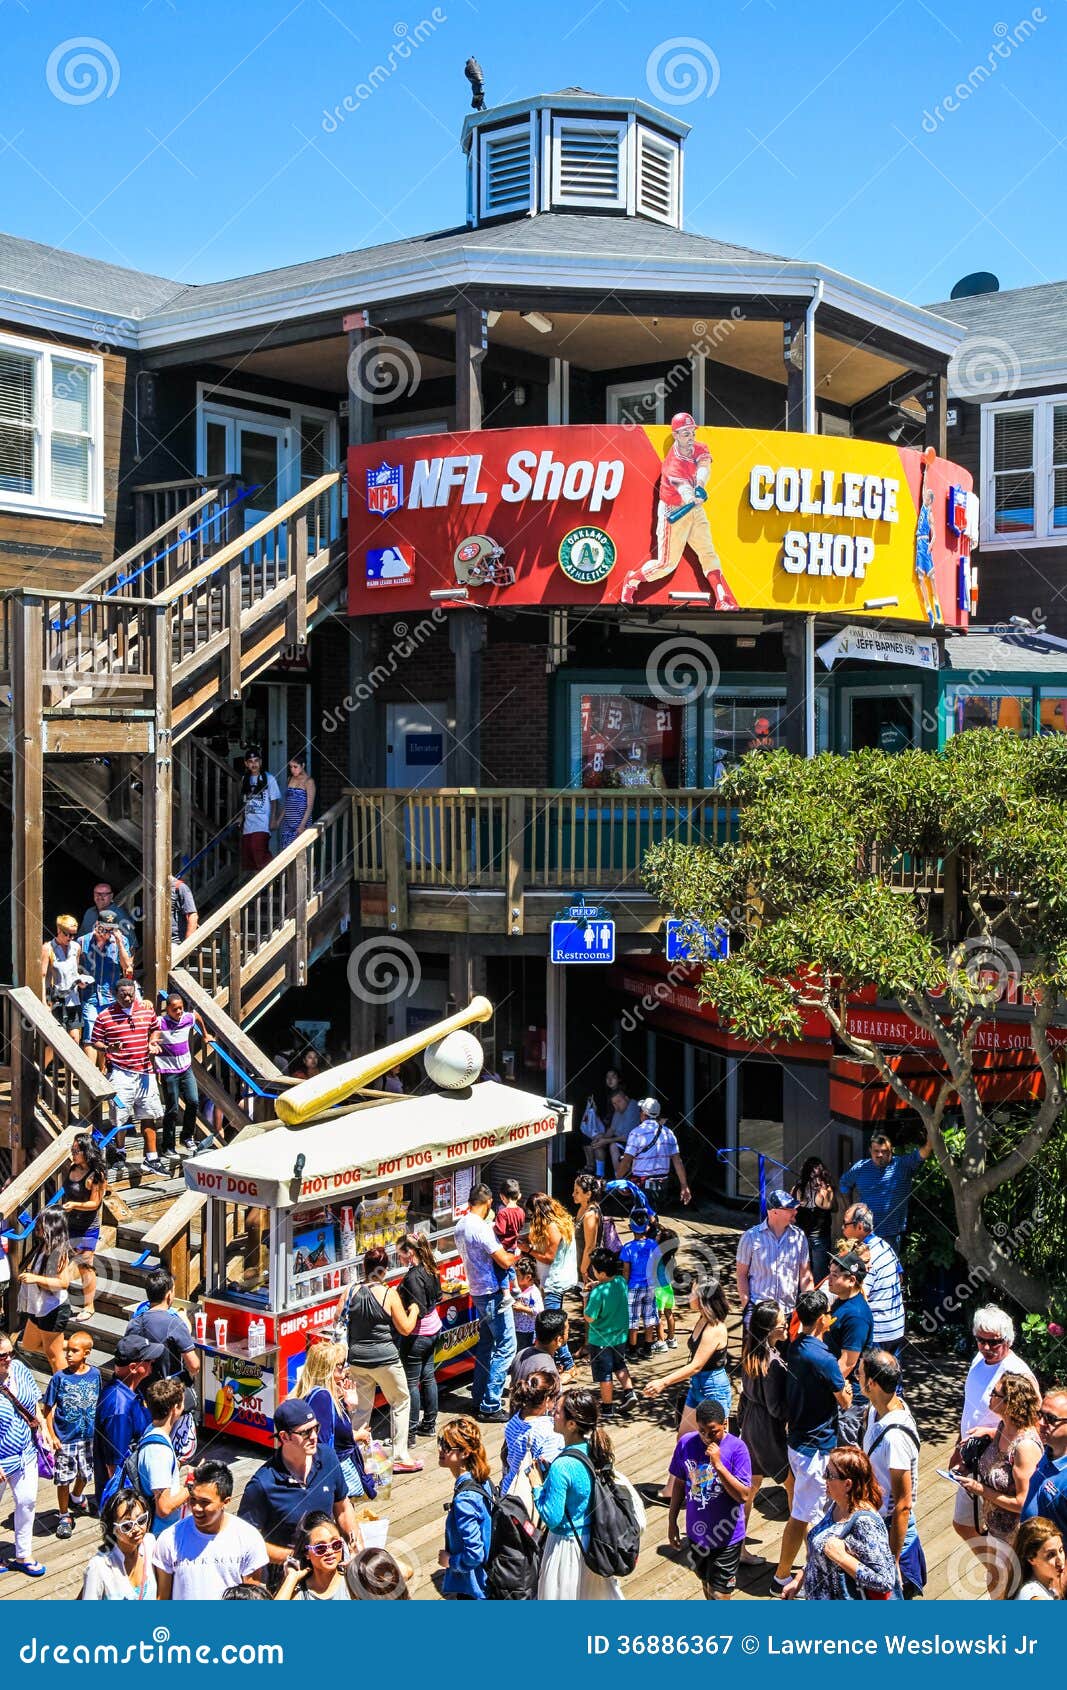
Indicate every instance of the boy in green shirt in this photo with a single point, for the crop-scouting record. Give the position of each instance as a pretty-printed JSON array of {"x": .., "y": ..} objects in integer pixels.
[{"x": 607, "y": 1310}]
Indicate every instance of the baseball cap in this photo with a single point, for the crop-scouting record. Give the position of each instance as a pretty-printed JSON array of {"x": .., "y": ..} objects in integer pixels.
[
  {"x": 106, "y": 918},
  {"x": 779, "y": 1198},
  {"x": 682, "y": 419},
  {"x": 293, "y": 1413},
  {"x": 852, "y": 1262},
  {"x": 132, "y": 1347},
  {"x": 649, "y": 1106}
]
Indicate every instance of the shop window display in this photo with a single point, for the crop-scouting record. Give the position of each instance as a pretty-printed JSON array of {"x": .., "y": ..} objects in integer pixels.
[
  {"x": 746, "y": 724},
  {"x": 1053, "y": 716},
  {"x": 630, "y": 740},
  {"x": 989, "y": 709}
]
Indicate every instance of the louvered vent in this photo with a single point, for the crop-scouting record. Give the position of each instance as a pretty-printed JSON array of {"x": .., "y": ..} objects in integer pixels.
[
  {"x": 588, "y": 163},
  {"x": 507, "y": 170},
  {"x": 657, "y": 178}
]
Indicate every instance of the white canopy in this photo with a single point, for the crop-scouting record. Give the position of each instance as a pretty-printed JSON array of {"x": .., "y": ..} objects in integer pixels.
[{"x": 371, "y": 1147}]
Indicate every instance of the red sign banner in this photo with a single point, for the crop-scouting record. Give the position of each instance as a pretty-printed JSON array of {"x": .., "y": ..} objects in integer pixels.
[{"x": 731, "y": 518}]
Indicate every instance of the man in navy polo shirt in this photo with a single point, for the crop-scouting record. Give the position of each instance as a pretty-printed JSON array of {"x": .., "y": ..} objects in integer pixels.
[
  {"x": 1047, "y": 1495},
  {"x": 883, "y": 1181},
  {"x": 849, "y": 1335},
  {"x": 121, "y": 1415},
  {"x": 815, "y": 1389},
  {"x": 299, "y": 1478}
]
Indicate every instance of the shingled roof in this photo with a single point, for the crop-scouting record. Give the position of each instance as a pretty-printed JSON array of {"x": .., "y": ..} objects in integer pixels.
[
  {"x": 48, "y": 272},
  {"x": 1031, "y": 323}
]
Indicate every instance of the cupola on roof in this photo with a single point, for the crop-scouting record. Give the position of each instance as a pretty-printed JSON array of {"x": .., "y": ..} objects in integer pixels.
[{"x": 574, "y": 151}]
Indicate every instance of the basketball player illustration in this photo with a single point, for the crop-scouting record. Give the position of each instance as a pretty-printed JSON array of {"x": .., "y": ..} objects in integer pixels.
[{"x": 681, "y": 519}]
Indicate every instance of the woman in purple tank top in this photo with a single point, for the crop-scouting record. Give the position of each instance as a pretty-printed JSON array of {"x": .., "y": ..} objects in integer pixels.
[{"x": 174, "y": 1066}]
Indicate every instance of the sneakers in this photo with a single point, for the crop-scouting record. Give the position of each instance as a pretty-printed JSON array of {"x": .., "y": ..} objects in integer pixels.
[
  {"x": 153, "y": 1165},
  {"x": 65, "y": 1527},
  {"x": 425, "y": 1429},
  {"x": 659, "y": 1347},
  {"x": 120, "y": 1169},
  {"x": 627, "y": 1400},
  {"x": 493, "y": 1417},
  {"x": 188, "y": 1144},
  {"x": 79, "y": 1505},
  {"x": 672, "y": 1343}
]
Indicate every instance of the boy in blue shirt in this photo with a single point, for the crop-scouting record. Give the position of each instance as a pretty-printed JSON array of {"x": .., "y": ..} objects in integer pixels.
[
  {"x": 639, "y": 1260},
  {"x": 70, "y": 1409}
]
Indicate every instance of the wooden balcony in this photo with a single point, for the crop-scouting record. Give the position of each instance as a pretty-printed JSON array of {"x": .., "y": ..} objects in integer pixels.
[{"x": 503, "y": 861}]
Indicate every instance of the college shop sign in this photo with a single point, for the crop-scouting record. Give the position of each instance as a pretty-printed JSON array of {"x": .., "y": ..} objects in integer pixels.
[{"x": 738, "y": 519}]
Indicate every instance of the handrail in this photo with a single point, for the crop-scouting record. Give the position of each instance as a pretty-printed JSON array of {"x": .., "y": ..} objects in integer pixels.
[
  {"x": 156, "y": 535},
  {"x": 66, "y": 1049},
  {"x": 251, "y": 889},
  {"x": 17, "y": 1193},
  {"x": 259, "y": 531}
]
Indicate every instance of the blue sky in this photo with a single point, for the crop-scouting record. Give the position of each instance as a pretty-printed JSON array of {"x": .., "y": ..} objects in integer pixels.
[{"x": 820, "y": 130}]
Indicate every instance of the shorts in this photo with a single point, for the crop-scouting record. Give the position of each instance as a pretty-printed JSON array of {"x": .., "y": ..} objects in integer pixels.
[
  {"x": 90, "y": 1010},
  {"x": 136, "y": 1098},
  {"x": 84, "y": 1244},
  {"x": 642, "y": 1306},
  {"x": 717, "y": 1568},
  {"x": 664, "y": 1299},
  {"x": 712, "y": 1386},
  {"x": 74, "y": 1461},
  {"x": 56, "y": 1320},
  {"x": 604, "y": 1360},
  {"x": 69, "y": 1015},
  {"x": 808, "y": 1468},
  {"x": 353, "y": 1479}
]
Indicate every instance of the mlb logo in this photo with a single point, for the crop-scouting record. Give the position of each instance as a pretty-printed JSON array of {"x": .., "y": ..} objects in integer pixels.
[
  {"x": 391, "y": 566},
  {"x": 385, "y": 489}
]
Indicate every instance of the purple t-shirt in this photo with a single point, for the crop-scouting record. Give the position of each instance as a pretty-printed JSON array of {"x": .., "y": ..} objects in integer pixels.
[
  {"x": 713, "y": 1519},
  {"x": 175, "y": 1055}
]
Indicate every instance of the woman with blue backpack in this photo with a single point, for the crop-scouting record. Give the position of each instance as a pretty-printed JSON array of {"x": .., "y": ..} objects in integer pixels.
[{"x": 567, "y": 1500}]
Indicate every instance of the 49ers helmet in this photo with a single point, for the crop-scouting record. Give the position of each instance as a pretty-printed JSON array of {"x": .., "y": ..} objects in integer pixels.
[{"x": 479, "y": 562}]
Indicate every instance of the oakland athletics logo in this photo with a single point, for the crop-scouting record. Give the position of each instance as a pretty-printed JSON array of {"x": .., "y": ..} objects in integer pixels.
[{"x": 587, "y": 555}]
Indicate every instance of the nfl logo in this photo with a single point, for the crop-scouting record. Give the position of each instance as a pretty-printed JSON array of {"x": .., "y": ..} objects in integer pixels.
[
  {"x": 385, "y": 490},
  {"x": 957, "y": 510}
]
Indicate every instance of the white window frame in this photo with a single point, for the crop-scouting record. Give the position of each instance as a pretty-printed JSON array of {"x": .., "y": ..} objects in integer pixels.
[
  {"x": 41, "y": 501},
  {"x": 595, "y": 202},
  {"x": 1043, "y": 532},
  {"x": 506, "y": 132},
  {"x": 619, "y": 390}
]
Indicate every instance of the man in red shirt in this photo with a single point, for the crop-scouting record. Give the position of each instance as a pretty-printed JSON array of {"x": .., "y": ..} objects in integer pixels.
[
  {"x": 128, "y": 1034},
  {"x": 683, "y": 483}
]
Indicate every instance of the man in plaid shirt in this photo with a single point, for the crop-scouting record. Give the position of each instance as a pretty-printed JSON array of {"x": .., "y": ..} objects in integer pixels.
[{"x": 127, "y": 1033}]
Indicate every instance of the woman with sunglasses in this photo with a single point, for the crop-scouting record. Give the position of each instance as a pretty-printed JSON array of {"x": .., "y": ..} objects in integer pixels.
[
  {"x": 122, "y": 1571},
  {"x": 998, "y": 1485},
  {"x": 323, "y": 1383},
  {"x": 315, "y": 1571},
  {"x": 849, "y": 1555},
  {"x": 468, "y": 1524}
]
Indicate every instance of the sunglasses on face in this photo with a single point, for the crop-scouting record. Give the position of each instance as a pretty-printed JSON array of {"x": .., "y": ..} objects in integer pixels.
[
  {"x": 136, "y": 1523},
  {"x": 989, "y": 1343},
  {"x": 334, "y": 1547},
  {"x": 305, "y": 1432},
  {"x": 1050, "y": 1419}
]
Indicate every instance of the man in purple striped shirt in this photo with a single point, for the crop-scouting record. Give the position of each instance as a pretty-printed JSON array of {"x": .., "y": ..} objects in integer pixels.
[
  {"x": 127, "y": 1034},
  {"x": 174, "y": 1065}
]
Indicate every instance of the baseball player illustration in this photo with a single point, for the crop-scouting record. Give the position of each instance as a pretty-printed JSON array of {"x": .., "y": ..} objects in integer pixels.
[{"x": 681, "y": 519}]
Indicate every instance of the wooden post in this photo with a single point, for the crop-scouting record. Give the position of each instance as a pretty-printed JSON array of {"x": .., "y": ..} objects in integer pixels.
[
  {"x": 183, "y": 803},
  {"x": 472, "y": 344},
  {"x": 466, "y": 636},
  {"x": 936, "y": 403},
  {"x": 794, "y": 379},
  {"x": 27, "y": 746},
  {"x": 296, "y": 627},
  {"x": 515, "y": 914},
  {"x": 298, "y": 950},
  {"x": 360, "y": 333},
  {"x": 157, "y": 812},
  {"x": 232, "y": 665},
  {"x": 233, "y": 970},
  {"x": 396, "y": 875}
]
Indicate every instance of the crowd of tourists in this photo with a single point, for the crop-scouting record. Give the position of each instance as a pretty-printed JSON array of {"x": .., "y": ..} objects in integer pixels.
[{"x": 808, "y": 1391}]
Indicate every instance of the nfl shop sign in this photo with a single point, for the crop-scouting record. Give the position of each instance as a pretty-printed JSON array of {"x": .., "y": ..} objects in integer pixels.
[{"x": 736, "y": 519}]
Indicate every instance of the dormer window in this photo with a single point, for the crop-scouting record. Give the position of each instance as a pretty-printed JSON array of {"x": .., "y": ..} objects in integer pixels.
[{"x": 587, "y": 163}]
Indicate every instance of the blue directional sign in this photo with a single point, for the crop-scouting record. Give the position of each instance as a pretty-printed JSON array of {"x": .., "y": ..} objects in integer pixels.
[
  {"x": 587, "y": 939},
  {"x": 681, "y": 936}
]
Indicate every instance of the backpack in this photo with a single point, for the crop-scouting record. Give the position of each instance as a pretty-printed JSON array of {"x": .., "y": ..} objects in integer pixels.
[
  {"x": 514, "y": 1547},
  {"x": 614, "y": 1534},
  {"x": 127, "y": 1476},
  {"x": 607, "y": 1237},
  {"x": 913, "y": 1569}
]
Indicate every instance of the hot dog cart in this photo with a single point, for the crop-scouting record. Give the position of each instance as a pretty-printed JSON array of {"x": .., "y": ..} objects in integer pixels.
[{"x": 290, "y": 1212}]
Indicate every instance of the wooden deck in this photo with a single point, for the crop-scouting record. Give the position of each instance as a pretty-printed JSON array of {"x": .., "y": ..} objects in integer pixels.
[{"x": 643, "y": 1442}]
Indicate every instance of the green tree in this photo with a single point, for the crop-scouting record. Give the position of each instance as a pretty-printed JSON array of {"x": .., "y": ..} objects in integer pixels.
[{"x": 938, "y": 878}]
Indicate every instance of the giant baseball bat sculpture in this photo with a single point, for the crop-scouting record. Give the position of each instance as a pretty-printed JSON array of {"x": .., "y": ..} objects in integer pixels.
[{"x": 310, "y": 1098}]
